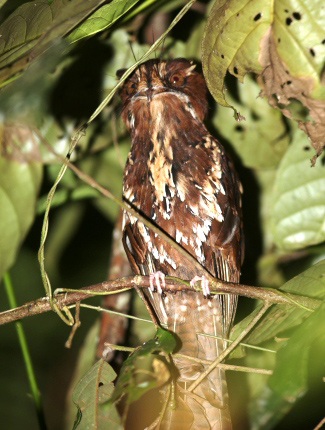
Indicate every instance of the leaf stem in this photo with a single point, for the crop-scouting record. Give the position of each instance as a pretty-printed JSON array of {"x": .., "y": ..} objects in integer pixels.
[{"x": 26, "y": 355}]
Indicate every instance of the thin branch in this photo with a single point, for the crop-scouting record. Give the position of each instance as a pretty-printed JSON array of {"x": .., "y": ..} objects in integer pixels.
[
  {"x": 320, "y": 425},
  {"x": 228, "y": 366},
  {"x": 110, "y": 287},
  {"x": 110, "y": 311},
  {"x": 75, "y": 326},
  {"x": 245, "y": 345},
  {"x": 230, "y": 348}
]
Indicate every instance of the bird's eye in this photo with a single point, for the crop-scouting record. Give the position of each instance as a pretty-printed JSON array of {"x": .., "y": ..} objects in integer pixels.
[
  {"x": 130, "y": 88},
  {"x": 177, "y": 80}
]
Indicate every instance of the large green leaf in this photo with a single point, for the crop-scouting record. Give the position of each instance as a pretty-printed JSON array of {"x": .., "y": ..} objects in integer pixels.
[
  {"x": 19, "y": 185},
  {"x": 299, "y": 198},
  {"x": 298, "y": 29},
  {"x": 283, "y": 41},
  {"x": 102, "y": 19},
  {"x": 83, "y": 364},
  {"x": 90, "y": 396},
  {"x": 282, "y": 317},
  {"x": 290, "y": 376},
  {"x": 265, "y": 407},
  {"x": 27, "y": 32},
  {"x": 27, "y": 98},
  {"x": 261, "y": 140},
  {"x": 224, "y": 48},
  {"x": 289, "y": 380}
]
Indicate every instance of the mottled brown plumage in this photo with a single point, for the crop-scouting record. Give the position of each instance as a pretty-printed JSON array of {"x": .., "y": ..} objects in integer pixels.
[{"x": 179, "y": 177}]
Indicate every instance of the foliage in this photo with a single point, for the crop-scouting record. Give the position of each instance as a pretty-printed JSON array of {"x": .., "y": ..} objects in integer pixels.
[{"x": 57, "y": 63}]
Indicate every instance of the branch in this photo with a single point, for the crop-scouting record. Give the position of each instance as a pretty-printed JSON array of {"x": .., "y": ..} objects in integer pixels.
[
  {"x": 230, "y": 348},
  {"x": 69, "y": 297}
]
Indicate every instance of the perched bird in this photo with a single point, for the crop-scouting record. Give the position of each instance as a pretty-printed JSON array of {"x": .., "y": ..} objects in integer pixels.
[{"x": 179, "y": 177}]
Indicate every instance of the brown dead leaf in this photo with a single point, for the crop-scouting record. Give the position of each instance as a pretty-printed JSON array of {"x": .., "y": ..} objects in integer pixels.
[
  {"x": 281, "y": 88},
  {"x": 19, "y": 143}
]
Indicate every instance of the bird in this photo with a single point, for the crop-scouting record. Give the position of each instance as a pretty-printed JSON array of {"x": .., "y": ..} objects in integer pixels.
[{"x": 179, "y": 177}]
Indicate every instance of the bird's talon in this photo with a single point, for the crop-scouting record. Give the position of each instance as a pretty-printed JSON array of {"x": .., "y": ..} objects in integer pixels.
[
  {"x": 157, "y": 281},
  {"x": 204, "y": 285}
]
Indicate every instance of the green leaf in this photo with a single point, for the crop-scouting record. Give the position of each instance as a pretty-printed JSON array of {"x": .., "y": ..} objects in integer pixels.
[
  {"x": 261, "y": 139},
  {"x": 224, "y": 48},
  {"x": 165, "y": 340},
  {"x": 283, "y": 317},
  {"x": 23, "y": 27},
  {"x": 265, "y": 407},
  {"x": 144, "y": 369},
  {"x": 84, "y": 362},
  {"x": 27, "y": 98},
  {"x": 27, "y": 32},
  {"x": 19, "y": 186},
  {"x": 90, "y": 396},
  {"x": 102, "y": 19},
  {"x": 299, "y": 198},
  {"x": 282, "y": 41},
  {"x": 290, "y": 376}
]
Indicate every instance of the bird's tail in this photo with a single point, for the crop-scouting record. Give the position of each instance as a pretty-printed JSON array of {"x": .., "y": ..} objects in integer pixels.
[{"x": 199, "y": 325}]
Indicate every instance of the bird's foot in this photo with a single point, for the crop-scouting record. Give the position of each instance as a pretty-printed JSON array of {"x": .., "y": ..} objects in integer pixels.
[
  {"x": 204, "y": 285},
  {"x": 157, "y": 281}
]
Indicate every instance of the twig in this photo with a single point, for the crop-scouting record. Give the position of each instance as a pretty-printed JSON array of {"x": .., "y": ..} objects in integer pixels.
[
  {"x": 110, "y": 311},
  {"x": 153, "y": 316},
  {"x": 230, "y": 348},
  {"x": 320, "y": 425},
  {"x": 245, "y": 345},
  {"x": 75, "y": 326},
  {"x": 201, "y": 361},
  {"x": 110, "y": 287},
  {"x": 227, "y": 366}
]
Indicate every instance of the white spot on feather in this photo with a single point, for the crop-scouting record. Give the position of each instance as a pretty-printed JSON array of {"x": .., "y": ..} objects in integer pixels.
[
  {"x": 155, "y": 253},
  {"x": 131, "y": 120},
  {"x": 178, "y": 236},
  {"x": 180, "y": 194},
  {"x": 194, "y": 209}
]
